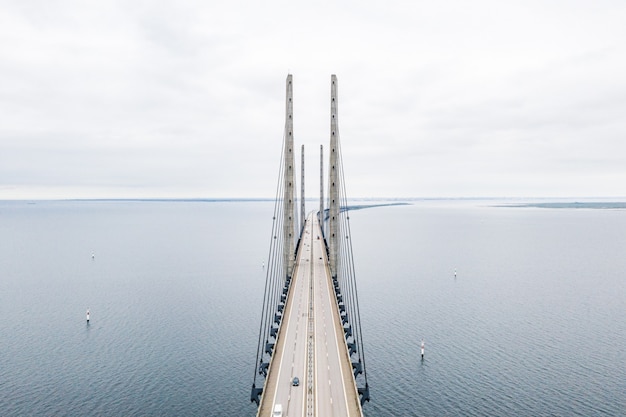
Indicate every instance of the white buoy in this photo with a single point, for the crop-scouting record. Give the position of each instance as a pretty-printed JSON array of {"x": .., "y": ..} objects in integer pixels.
[
  {"x": 263, "y": 264},
  {"x": 87, "y": 315},
  {"x": 93, "y": 256},
  {"x": 422, "y": 349},
  {"x": 454, "y": 272}
]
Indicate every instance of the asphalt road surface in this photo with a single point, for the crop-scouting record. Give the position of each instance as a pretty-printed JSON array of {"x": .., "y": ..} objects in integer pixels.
[{"x": 311, "y": 345}]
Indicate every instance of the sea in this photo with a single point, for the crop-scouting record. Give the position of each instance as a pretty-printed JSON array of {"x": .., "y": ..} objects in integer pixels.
[{"x": 521, "y": 307}]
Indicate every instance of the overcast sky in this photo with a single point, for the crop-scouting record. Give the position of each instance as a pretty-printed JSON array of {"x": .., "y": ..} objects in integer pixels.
[{"x": 436, "y": 98}]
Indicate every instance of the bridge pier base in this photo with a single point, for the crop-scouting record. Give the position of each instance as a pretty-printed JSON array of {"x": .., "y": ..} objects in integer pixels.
[
  {"x": 364, "y": 393},
  {"x": 263, "y": 367},
  {"x": 255, "y": 394},
  {"x": 357, "y": 367}
]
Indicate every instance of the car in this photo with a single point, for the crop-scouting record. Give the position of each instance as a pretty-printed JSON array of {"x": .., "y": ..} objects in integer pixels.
[
  {"x": 278, "y": 411},
  {"x": 295, "y": 381}
]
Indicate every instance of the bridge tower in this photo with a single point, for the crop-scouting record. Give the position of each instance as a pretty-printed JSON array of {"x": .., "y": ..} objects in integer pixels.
[
  {"x": 333, "y": 183},
  {"x": 339, "y": 250},
  {"x": 289, "y": 185},
  {"x": 320, "y": 215},
  {"x": 302, "y": 200}
]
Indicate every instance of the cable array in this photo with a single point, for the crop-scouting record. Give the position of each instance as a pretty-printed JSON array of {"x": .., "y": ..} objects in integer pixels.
[
  {"x": 275, "y": 293},
  {"x": 346, "y": 289},
  {"x": 280, "y": 261}
]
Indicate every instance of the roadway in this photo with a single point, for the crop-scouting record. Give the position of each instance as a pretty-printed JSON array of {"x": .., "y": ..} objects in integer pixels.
[{"x": 311, "y": 344}]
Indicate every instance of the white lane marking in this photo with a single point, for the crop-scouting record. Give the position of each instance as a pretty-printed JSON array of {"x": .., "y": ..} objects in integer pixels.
[
  {"x": 297, "y": 284},
  {"x": 315, "y": 348}
]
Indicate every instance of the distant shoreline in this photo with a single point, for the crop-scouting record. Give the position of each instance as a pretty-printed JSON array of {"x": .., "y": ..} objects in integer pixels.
[
  {"x": 607, "y": 205},
  {"x": 366, "y": 206},
  {"x": 359, "y": 203}
]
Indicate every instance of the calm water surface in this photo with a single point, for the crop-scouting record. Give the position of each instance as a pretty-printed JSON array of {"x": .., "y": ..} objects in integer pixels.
[{"x": 533, "y": 324}]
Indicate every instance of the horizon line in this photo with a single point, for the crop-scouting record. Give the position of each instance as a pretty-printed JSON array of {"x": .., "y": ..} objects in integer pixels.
[{"x": 253, "y": 199}]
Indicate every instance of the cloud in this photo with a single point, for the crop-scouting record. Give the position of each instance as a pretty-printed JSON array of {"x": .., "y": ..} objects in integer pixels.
[{"x": 435, "y": 99}]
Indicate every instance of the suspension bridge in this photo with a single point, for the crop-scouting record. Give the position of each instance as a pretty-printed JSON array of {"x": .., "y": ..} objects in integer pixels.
[{"x": 310, "y": 359}]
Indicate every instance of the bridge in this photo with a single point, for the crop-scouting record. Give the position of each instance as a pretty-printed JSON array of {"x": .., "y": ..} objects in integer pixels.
[{"x": 310, "y": 357}]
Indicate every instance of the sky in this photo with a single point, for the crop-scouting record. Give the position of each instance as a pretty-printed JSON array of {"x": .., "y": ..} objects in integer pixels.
[{"x": 186, "y": 99}]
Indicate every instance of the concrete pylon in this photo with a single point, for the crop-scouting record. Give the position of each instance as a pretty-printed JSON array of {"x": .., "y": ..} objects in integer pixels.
[
  {"x": 302, "y": 200},
  {"x": 321, "y": 212},
  {"x": 333, "y": 183},
  {"x": 289, "y": 185}
]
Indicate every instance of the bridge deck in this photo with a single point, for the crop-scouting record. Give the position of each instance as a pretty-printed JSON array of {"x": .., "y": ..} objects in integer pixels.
[{"x": 311, "y": 344}]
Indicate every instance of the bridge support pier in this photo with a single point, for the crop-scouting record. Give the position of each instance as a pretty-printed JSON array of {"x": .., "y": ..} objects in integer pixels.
[
  {"x": 255, "y": 394},
  {"x": 364, "y": 393},
  {"x": 320, "y": 215}
]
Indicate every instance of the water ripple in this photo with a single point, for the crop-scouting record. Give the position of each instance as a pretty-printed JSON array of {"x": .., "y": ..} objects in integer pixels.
[{"x": 531, "y": 326}]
